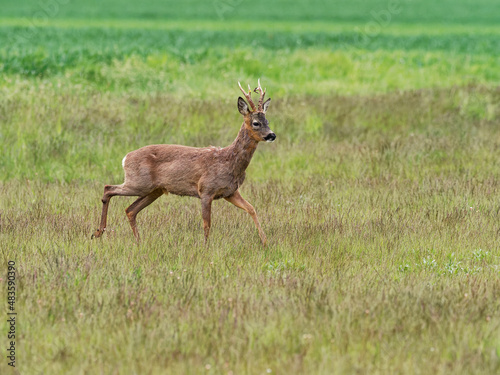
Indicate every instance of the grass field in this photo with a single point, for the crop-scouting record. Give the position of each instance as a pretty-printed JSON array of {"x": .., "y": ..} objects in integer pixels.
[{"x": 380, "y": 197}]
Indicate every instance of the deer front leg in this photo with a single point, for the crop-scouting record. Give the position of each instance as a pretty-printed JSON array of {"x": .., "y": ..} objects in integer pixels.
[
  {"x": 206, "y": 211},
  {"x": 240, "y": 202}
]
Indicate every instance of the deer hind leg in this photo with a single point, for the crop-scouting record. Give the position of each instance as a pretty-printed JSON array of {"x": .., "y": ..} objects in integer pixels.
[
  {"x": 137, "y": 206},
  {"x": 111, "y": 191},
  {"x": 240, "y": 202},
  {"x": 206, "y": 212}
]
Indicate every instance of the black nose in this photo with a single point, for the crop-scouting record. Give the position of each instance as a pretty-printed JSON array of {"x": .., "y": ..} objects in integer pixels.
[{"x": 270, "y": 137}]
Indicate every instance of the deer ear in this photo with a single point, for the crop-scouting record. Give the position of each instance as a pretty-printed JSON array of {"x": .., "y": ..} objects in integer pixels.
[
  {"x": 242, "y": 106},
  {"x": 265, "y": 106}
]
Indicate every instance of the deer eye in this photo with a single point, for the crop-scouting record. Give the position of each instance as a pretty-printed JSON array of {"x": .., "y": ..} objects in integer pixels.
[{"x": 255, "y": 123}]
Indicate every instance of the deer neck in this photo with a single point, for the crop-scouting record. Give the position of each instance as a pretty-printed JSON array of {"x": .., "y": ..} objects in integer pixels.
[{"x": 241, "y": 151}]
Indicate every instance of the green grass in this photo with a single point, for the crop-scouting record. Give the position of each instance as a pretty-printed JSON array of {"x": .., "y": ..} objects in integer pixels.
[
  {"x": 482, "y": 12},
  {"x": 380, "y": 197},
  {"x": 85, "y": 52}
]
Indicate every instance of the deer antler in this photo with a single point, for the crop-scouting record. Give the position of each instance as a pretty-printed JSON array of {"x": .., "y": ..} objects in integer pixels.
[
  {"x": 248, "y": 95},
  {"x": 262, "y": 94}
]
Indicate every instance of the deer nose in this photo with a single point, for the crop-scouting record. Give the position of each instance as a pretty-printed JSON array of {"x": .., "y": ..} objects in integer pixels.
[{"x": 270, "y": 137}]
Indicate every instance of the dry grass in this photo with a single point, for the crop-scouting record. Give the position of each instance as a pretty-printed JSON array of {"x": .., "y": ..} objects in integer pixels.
[{"x": 383, "y": 255}]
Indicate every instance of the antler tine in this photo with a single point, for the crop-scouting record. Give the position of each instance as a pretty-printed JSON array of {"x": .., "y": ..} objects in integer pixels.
[
  {"x": 262, "y": 94},
  {"x": 248, "y": 95}
]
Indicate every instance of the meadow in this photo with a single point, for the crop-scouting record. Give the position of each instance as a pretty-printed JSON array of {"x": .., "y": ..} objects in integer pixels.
[{"x": 380, "y": 197}]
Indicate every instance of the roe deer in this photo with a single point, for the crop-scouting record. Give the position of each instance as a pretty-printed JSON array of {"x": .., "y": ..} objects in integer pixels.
[{"x": 207, "y": 173}]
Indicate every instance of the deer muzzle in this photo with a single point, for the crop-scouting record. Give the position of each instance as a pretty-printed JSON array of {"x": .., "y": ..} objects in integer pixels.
[{"x": 270, "y": 137}]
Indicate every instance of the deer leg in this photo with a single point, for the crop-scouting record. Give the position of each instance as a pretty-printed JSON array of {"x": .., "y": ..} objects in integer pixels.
[
  {"x": 206, "y": 211},
  {"x": 137, "y": 206},
  {"x": 240, "y": 202},
  {"x": 110, "y": 191}
]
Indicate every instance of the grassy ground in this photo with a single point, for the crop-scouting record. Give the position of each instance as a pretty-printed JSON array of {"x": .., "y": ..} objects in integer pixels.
[{"x": 380, "y": 197}]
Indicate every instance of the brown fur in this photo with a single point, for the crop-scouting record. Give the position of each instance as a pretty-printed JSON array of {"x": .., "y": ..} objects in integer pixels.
[{"x": 207, "y": 173}]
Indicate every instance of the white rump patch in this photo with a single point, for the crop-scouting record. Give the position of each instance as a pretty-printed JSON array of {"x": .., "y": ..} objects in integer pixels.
[{"x": 123, "y": 161}]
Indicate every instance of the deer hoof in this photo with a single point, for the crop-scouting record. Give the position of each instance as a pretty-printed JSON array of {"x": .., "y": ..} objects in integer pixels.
[{"x": 96, "y": 234}]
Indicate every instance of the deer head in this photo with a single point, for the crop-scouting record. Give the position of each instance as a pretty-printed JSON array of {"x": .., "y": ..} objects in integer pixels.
[{"x": 255, "y": 118}]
